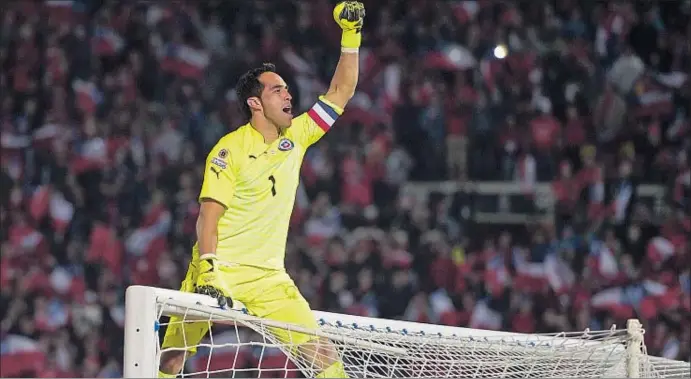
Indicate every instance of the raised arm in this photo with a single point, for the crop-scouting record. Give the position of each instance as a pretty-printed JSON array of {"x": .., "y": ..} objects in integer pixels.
[{"x": 349, "y": 15}]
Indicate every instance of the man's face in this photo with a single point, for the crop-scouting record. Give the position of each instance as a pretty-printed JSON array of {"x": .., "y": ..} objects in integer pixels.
[{"x": 276, "y": 100}]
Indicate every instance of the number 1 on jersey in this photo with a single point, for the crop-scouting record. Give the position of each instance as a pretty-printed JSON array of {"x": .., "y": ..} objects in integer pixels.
[{"x": 273, "y": 185}]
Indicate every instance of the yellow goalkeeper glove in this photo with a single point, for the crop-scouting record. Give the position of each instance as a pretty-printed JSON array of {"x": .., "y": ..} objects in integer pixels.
[
  {"x": 349, "y": 15},
  {"x": 209, "y": 283}
]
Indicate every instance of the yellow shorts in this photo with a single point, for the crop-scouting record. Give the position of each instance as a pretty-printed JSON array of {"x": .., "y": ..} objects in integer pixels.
[{"x": 269, "y": 294}]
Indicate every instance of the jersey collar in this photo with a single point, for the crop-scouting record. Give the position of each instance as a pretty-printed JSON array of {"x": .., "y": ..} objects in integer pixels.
[{"x": 257, "y": 144}]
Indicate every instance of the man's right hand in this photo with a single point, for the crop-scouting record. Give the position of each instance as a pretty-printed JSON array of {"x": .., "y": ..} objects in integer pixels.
[{"x": 209, "y": 283}]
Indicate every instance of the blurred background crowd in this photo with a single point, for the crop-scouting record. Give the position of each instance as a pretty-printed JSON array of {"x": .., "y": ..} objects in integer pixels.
[{"x": 504, "y": 165}]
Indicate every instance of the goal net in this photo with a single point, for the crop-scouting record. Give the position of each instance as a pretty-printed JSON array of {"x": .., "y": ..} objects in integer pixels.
[{"x": 243, "y": 346}]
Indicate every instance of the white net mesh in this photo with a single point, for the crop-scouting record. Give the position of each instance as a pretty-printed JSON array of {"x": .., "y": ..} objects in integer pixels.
[{"x": 240, "y": 345}]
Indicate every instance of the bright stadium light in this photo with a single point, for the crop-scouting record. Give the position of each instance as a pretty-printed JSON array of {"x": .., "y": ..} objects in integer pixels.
[{"x": 500, "y": 51}]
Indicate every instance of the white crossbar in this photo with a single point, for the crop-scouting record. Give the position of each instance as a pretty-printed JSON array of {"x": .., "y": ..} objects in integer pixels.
[{"x": 144, "y": 305}]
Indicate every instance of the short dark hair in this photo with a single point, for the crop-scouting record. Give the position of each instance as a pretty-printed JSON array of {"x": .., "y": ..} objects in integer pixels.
[{"x": 250, "y": 86}]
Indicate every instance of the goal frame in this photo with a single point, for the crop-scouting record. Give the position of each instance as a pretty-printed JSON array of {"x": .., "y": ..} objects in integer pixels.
[{"x": 143, "y": 305}]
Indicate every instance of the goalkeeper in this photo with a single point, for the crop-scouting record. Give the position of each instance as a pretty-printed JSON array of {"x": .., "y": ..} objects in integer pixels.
[{"x": 247, "y": 196}]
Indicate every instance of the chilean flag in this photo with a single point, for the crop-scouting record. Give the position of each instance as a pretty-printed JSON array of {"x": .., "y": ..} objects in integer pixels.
[
  {"x": 602, "y": 260},
  {"x": 659, "y": 249},
  {"x": 191, "y": 62},
  {"x": 91, "y": 155},
  {"x": 559, "y": 275},
  {"x": 323, "y": 115},
  {"x": 156, "y": 224},
  {"x": 623, "y": 300},
  {"x": 658, "y": 297},
  {"x": 14, "y": 344},
  {"x": 530, "y": 276},
  {"x": 616, "y": 299},
  {"x": 20, "y": 354},
  {"x": 140, "y": 240},
  {"x": 106, "y": 42},
  {"x": 88, "y": 95},
  {"x": 652, "y": 98}
]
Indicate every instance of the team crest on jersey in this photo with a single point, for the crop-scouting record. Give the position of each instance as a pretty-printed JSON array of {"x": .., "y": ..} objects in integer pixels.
[
  {"x": 223, "y": 153},
  {"x": 285, "y": 144}
]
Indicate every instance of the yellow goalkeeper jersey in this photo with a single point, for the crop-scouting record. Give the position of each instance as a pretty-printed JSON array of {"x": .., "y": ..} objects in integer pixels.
[{"x": 257, "y": 182}]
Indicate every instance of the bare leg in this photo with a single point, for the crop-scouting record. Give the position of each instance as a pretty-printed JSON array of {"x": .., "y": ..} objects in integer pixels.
[
  {"x": 322, "y": 356},
  {"x": 171, "y": 363}
]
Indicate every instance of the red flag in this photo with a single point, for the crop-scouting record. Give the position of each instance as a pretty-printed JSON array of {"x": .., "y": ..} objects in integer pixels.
[
  {"x": 88, "y": 95},
  {"x": 39, "y": 203},
  {"x": 186, "y": 61},
  {"x": 105, "y": 248},
  {"x": 106, "y": 42},
  {"x": 611, "y": 299},
  {"x": 559, "y": 275},
  {"x": 602, "y": 261},
  {"x": 530, "y": 276},
  {"x": 20, "y": 354},
  {"x": 659, "y": 249}
]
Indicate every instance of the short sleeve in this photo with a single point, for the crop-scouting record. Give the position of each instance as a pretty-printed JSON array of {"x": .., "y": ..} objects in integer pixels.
[
  {"x": 219, "y": 176},
  {"x": 310, "y": 126}
]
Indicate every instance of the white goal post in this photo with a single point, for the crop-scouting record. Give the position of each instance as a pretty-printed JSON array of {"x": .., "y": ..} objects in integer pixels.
[{"x": 371, "y": 347}]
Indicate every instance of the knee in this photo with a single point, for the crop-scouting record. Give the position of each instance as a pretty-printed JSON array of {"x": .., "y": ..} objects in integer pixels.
[
  {"x": 172, "y": 362},
  {"x": 320, "y": 350},
  {"x": 326, "y": 351}
]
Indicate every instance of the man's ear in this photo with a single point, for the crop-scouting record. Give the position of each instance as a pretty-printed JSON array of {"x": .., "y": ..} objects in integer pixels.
[{"x": 254, "y": 103}]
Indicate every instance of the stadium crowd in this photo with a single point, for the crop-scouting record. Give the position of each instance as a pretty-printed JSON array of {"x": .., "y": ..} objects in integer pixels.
[{"x": 109, "y": 109}]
